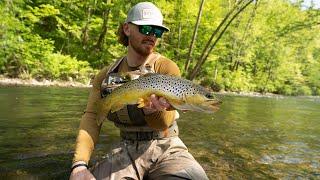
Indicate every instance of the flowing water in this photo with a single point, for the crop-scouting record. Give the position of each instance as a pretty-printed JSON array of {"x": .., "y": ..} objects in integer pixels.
[{"x": 249, "y": 138}]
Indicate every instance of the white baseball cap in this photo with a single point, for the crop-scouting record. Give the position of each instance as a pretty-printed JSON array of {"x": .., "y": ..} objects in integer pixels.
[{"x": 145, "y": 13}]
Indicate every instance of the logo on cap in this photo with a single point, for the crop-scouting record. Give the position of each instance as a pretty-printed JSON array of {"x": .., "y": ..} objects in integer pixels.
[{"x": 147, "y": 13}]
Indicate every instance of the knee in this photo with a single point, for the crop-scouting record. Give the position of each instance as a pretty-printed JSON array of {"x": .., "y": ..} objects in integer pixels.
[
  {"x": 189, "y": 173},
  {"x": 195, "y": 172}
]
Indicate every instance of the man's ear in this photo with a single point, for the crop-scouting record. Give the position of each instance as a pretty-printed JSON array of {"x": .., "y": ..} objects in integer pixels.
[{"x": 126, "y": 29}]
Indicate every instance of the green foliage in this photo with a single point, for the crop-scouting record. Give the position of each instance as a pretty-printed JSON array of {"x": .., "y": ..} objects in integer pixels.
[
  {"x": 272, "y": 46},
  {"x": 25, "y": 54},
  {"x": 58, "y": 66}
]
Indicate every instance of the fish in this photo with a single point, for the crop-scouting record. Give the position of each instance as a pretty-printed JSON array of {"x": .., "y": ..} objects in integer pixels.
[{"x": 180, "y": 93}]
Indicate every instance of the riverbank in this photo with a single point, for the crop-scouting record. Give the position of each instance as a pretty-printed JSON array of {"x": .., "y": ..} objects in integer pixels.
[
  {"x": 33, "y": 82},
  {"x": 249, "y": 94},
  {"x": 4, "y": 81}
]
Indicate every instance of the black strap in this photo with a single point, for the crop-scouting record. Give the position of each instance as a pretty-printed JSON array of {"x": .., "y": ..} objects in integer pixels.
[
  {"x": 151, "y": 135},
  {"x": 78, "y": 165},
  {"x": 133, "y": 162}
]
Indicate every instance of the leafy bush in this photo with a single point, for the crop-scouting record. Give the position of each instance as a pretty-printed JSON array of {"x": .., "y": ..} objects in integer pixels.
[
  {"x": 64, "y": 67},
  {"x": 303, "y": 90},
  {"x": 234, "y": 81},
  {"x": 286, "y": 90},
  {"x": 25, "y": 54}
]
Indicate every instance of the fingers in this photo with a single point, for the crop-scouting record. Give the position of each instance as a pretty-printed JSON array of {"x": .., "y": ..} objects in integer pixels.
[
  {"x": 159, "y": 103},
  {"x": 164, "y": 102},
  {"x": 156, "y": 104}
]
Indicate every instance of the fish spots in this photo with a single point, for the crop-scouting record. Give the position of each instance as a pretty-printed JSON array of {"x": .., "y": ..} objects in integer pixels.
[
  {"x": 184, "y": 93},
  {"x": 168, "y": 84}
]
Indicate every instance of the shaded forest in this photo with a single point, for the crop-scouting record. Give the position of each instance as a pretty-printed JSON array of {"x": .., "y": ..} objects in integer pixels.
[{"x": 228, "y": 45}]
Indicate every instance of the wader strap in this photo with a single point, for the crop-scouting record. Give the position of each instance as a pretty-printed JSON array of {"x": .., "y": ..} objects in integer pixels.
[
  {"x": 149, "y": 62},
  {"x": 146, "y": 136},
  {"x": 133, "y": 162},
  {"x": 115, "y": 65}
]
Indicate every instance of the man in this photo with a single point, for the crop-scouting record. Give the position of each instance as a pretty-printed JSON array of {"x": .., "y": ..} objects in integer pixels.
[{"x": 150, "y": 147}]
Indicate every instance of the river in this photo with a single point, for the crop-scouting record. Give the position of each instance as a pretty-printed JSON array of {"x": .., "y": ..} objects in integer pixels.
[{"x": 249, "y": 138}]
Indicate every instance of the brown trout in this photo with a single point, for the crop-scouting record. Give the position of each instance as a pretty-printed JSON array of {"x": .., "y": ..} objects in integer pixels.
[{"x": 182, "y": 94}]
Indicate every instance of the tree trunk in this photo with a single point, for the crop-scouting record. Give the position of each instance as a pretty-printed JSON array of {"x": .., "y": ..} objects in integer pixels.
[
  {"x": 235, "y": 45},
  {"x": 178, "y": 16},
  {"x": 212, "y": 36},
  {"x": 215, "y": 72},
  {"x": 85, "y": 36},
  {"x": 98, "y": 46},
  {"x": 204, "y": 57},
  {"x": 244, "y": 37},
  {"x": 194, "y": 36},
  {"x": 179, "y": 41}
]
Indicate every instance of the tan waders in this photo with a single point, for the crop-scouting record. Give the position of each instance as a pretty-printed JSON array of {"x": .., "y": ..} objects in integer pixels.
[{"x": 166, "y": 158}]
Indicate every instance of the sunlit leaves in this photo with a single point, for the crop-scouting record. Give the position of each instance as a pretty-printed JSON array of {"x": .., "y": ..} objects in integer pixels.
[{"x": 272, "y": 46}]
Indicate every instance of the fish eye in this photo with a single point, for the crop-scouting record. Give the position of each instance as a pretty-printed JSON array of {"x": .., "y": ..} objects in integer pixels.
[{"x": 209, "y": 95}]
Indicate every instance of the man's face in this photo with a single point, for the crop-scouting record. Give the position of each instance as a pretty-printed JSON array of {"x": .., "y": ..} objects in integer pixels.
[{"x": 142, "y": 44}]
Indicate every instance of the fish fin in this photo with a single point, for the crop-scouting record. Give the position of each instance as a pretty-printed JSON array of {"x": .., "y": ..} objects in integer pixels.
[
  {"x": 142, "y": 103},
  {"x": 184, "y": 97},
  {"x": 101, "y": 114}
]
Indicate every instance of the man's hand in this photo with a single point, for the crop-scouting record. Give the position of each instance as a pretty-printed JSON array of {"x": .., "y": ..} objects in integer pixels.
[
  {"x": 81, "y": 173},
  {"x": 156, "y": 104}
]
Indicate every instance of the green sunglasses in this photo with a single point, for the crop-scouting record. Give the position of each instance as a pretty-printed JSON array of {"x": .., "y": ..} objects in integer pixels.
[{"x": 149, "y": 30}]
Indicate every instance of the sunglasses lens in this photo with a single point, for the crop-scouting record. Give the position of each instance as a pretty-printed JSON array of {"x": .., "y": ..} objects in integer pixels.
[
  {"x": 158, "y": 32},
  {"x": 147, "y": 30},
  {"x": 144, "y": 29}
]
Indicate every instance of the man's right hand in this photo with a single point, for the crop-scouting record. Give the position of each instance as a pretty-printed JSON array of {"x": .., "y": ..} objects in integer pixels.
[
  {"x": 81, "y": 173},
  {"x": 156, "y": 104}
]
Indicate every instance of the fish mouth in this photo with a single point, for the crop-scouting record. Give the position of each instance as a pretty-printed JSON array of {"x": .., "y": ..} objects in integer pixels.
[
  {"x": 213, "y": 105},
  {"x": 200, "y": 103},
  {"x": 214, "y": 102},
  {"x": 208, "y": 106}
]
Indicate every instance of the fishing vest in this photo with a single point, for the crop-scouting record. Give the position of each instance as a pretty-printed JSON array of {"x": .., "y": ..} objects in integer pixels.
[{"x": 129, "y": 118}]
